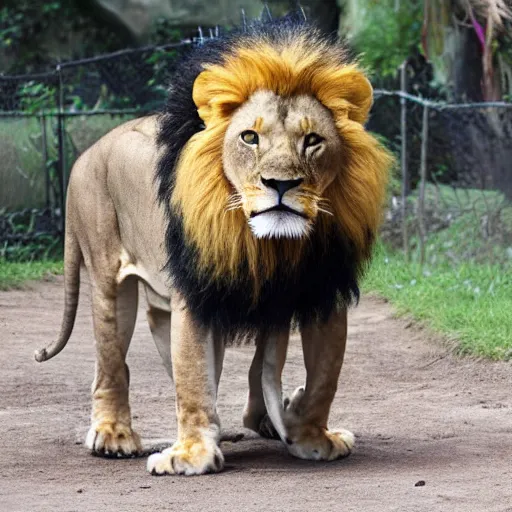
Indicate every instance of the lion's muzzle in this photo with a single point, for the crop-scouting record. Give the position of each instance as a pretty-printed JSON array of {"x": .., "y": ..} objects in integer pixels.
[{"x": 278, "y": 213}]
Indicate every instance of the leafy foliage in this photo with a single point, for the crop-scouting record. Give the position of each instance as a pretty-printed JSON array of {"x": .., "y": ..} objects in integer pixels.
[
  {"x": 164, "y": 31},
  {"x": 37, "y": 96},
  {"x": 28, "y": 235},
  {"x": 27, "y": 29},
  {"x": 388, "y": 36}
]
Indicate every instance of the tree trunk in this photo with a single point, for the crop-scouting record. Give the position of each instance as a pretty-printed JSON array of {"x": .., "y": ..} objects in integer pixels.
[{"x": 454, "y": 51}]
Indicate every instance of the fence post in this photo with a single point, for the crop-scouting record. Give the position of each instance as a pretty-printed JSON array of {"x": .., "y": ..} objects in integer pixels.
[
  {"x": 423, "y": 180},
  {"x": 403, "y": 157},
  {"x": 44, "y": 150},
  {"x": 60, "y": 141}
]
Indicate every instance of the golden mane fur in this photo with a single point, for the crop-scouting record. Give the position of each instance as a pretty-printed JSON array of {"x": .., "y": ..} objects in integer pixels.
[{"x": 300, "y": 65}]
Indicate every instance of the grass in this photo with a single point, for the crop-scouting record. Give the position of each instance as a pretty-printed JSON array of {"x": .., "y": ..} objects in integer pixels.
[
  {"x": 463, "y": 241},
  {"x": 470, "y": 304},
  {"x": 15, "y": 275}
]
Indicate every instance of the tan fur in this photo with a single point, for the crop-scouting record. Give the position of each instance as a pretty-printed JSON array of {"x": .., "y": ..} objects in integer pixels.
[
  {"x": 114, "y": 240},
  {"x": 265, "y": 385},
  {"x": 258, "y": 124}
]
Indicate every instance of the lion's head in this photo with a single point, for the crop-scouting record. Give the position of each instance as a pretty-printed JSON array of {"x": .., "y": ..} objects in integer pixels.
[
  {"x": 280, "y": 155},
  {"x": 276, "y": 163}
]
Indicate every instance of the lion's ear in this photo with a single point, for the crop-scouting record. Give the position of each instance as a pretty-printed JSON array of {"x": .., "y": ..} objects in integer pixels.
[
  {"x": 201, "y": 96},
  {"x": 346, "y": 91},
  {"x": 214, "y": 94},
  {"x": 359, "y": 93}
]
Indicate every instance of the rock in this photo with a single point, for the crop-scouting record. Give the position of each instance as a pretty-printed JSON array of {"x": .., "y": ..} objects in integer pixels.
[{"x": 138, "y": 16}]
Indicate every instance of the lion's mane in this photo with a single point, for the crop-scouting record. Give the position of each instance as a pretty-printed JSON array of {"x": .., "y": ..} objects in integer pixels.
[{"x": 229, "y": 279}]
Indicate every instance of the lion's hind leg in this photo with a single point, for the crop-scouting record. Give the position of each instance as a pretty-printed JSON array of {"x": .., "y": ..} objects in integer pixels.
[
  {"x": 159, "y": 320},
  {"x": 114, "y": 314},
  {"x": 263, "y": 411},
  {"x": 312, "y": 440}
]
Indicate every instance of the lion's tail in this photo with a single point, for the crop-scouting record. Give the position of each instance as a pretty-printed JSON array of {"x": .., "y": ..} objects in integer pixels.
[{"x": 72, "y": 261}]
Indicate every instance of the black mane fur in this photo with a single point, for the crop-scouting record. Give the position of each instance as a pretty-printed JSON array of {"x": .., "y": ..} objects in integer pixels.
[{"x": 328, "y": 274}]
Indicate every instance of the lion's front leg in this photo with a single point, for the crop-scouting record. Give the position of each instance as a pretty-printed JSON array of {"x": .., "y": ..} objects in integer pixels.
[
  {"x": 308, "y": 411},
  {"x": 197, "y": 355}
]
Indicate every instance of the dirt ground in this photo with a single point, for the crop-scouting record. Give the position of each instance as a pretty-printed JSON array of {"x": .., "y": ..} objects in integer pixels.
[{"x": 434, "y": 432}]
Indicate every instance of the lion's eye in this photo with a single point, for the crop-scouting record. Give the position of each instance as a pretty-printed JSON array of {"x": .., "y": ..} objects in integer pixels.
[
  {"x": 312, "y": 139},
  {"x": 250, "y": 137}
]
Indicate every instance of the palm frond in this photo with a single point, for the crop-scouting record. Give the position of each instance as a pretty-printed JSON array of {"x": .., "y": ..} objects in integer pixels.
[{"x": 496, "y": 12}]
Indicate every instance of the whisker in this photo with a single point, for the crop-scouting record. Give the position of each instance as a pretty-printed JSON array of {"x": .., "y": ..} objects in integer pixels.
[
  {"x": 307, "y": 193},
  {"x": 324, "y": 205},
  {"x": 309, "y": 197},
  {"x": 233, "y": 207},
  {"x": 253, "y": 194},
  {"x": 234, "y": 200},
  {"x": 323, "y": 210}
]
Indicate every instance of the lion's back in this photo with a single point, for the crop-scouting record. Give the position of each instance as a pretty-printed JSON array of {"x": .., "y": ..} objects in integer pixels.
[{"x": 113, "y": 148}]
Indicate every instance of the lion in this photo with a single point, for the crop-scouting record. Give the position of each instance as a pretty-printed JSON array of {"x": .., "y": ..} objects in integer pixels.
[{"x": 250, "y": 204}]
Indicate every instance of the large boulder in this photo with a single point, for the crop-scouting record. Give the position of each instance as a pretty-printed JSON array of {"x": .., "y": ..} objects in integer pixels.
[{"x": 137, "y": 16}]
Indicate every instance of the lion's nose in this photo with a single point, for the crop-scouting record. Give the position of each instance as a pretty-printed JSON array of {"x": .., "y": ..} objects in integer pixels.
[{"x": 282, "y": 186}]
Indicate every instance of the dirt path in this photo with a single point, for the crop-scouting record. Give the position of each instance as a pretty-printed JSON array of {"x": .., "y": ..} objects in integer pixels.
[{"x": 418, "y": 414}]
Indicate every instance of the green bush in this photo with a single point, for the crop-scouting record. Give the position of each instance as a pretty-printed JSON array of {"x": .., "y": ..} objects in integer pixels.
[
  {"x": 22, "y": 167},
  {"x": 386, "y": 36}
]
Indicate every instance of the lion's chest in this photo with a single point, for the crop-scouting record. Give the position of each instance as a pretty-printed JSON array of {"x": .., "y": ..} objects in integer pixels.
[{"x": 322, "y": 280}]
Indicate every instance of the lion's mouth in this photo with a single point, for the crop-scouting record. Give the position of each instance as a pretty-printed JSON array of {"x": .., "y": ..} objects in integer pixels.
[
  {"x": 280, "y": 208},
  {"x": 280, "y": 221}
]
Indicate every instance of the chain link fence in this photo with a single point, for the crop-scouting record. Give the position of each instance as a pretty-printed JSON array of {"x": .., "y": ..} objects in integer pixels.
[
  {"x": 449, "y": 196},
  {"x": 48, "y": 119}
]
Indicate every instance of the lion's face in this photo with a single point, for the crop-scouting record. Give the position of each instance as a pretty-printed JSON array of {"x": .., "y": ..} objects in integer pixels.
[{"x": 279, "y": 156}]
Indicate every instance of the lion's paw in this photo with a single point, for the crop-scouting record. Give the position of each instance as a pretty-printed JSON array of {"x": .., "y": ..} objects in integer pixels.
[
  {"x": 313, "y": 442},
  {"x": 261, "y": 424},
  {"x": 316, "y": 443},
  {"x": 187, "y": 457},
  {"x": 113, "y": 440}
]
